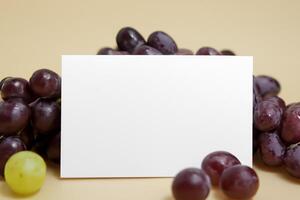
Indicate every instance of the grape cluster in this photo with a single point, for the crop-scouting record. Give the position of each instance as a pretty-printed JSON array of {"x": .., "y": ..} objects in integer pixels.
[
  {"x": 30, "y": 120},
  {"x": 276, "y": 126},
  {"x": 131, "y": 42},
  {"x": 30, "y": 116},
  {"x": 276, "y": 129},
  {"x": 221, "y": 169}
]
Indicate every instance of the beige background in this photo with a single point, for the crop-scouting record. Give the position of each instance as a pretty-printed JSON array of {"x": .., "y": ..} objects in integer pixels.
[{"x": 35, "y": 33}]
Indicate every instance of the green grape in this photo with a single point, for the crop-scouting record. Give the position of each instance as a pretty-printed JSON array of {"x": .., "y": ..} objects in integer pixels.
[{"x": 25, "y": 172}]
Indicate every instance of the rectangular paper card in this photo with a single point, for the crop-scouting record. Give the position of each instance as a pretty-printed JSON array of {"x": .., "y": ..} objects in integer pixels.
[{"x": 151, "y": 116}]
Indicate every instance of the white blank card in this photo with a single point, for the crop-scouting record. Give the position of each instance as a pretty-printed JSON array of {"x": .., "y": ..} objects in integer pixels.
[{"x": 151, "y": 116}]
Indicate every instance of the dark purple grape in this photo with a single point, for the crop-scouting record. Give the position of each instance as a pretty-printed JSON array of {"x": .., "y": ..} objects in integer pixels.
[
  {"x": 227, "y": 52},
  {"x": 45, "y": 83},
  {"x": 276, "y": 100},
  {"x": 209, "y": 51},
  {"x": 162, "y": 42},
  {"x": 115, "y": 52},
  {"x": 53, "y": 149},
  {"x": 267, "y": 85},
  {"x": 105, "y": 51},
  {"x": 256, "y": 94},
  {"x": 215, "y": 163},
  {"x": 146, "y": 50},
  {"x": 16, "y": 88},
  {"x": 239, "y": 182},
  {"x": 2, "y": 81},
  {"x": 8, "y": 147},
  {"x": 41, "y": 143},
  {"x": 128, "y": 39},
  {"x": 292, "y": 160},
  {"x": 110, "y": 51},
  {"x": 290, "y": 132},
  {"x": 255, "y": 135},
  {"x": 45, "y": 116},
  {"x": 27, "y": 136},
  {"x": 272, "y": 149},
  {"x": 267, "y": 116},
  {"x": 14, "y": 116},
  {"x": 184, "y": 52},
  {"x": 291, "y": 104},
  {"x": 191, "y": 184},
  {"x": 17, "y": 100}
]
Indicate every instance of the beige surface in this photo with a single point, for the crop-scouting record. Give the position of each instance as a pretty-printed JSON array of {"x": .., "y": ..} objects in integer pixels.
[{"x": 34, "y": 33}]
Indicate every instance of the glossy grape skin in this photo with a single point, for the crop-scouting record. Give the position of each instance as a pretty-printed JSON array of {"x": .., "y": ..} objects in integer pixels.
[
  {"x": 191, "y": 184},
  {"x": 45, "y": 83},
  {"x": 128, "y": 39},
  {"x": 25, "y": 172},
  {"x": 272, "y": 149},
  {"x": 208, "y": 51},
  {"x": 292, "y": 160},
  {"x": 239, "y": 182},
  {"x": 290, "y": 132},
  {"x": 2, "y": 81},
  {"x": 162, "y": 42},
  {"x": 267, "y": 116},
  {"x": 146, "y": 50},
  {"x": 276, "y": 100},
  {"x": 16, "y": 88},
  {"x": 215, "y": 163},
  {"x": 227, "y": 52},
  {"x": 110, "y": 51},
  {"x": 8, "y": 147},
  {"x": 267, "y": 85},
  {"x": 184, "y": 52},
  {"x": 53, "y": 149},
  {"x": 45, "y": 116},
  {"x": 14, "y": 116}
]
